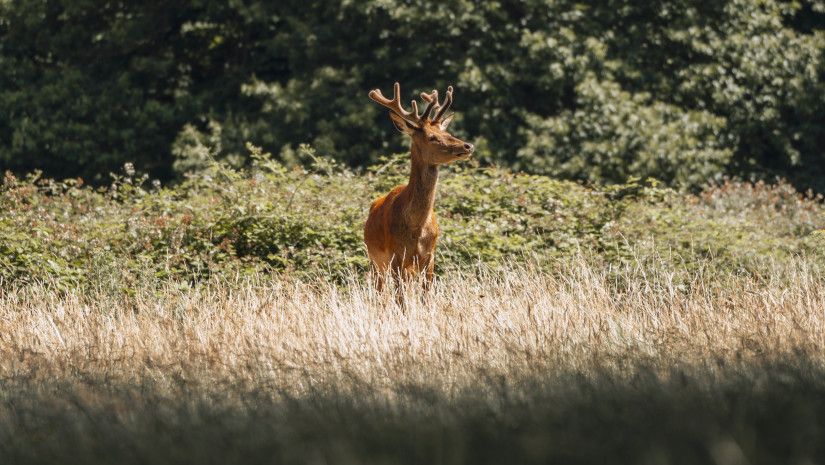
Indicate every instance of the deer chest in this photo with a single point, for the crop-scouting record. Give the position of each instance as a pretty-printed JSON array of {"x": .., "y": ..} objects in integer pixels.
[{"x": 418, "y": 242}]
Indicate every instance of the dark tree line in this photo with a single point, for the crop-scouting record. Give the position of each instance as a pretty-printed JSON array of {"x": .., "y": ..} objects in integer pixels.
[{"x": 686, "y": 91}]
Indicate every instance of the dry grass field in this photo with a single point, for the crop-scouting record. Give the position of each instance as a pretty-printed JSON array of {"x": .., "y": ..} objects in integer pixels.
[{"x": 587, "y": 364}]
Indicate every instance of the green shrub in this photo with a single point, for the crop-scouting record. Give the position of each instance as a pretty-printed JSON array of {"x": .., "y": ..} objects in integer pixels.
[
  {"x": 225, "y": 222},
  {"x": 612, "y": 135}
]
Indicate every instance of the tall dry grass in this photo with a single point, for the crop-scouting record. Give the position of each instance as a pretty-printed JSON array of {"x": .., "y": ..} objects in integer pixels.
[
  {"x": 504, "y": 339},
  {"x": 514, "y": 321}
]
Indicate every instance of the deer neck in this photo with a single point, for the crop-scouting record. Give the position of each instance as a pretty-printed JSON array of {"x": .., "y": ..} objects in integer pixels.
[{"x": 420, "y": 191}]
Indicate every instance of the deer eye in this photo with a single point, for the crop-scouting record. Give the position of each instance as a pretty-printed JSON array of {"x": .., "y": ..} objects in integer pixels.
[{"x": 431, "y": 138}]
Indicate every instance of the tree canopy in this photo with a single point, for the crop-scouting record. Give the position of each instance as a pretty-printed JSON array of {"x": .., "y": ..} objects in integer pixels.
[{"x": 685, "y": 91}]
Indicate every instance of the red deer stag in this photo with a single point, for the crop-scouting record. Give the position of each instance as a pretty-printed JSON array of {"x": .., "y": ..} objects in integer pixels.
[{"x": 401, "y": 229}]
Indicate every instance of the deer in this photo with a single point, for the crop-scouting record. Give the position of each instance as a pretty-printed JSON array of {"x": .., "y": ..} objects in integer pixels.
[{"x": 401, "y": 230}]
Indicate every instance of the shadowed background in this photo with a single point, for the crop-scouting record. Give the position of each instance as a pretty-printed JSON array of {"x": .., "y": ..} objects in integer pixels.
[{"x": 685, "y": 91}]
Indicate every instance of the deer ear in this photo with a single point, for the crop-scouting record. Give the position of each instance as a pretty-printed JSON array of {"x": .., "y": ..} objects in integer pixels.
[
  {"x": 446, "y": 122},
  {"x": 403, "y": 126}
]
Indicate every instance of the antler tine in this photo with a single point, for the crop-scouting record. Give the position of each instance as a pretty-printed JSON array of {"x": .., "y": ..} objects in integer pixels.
[
  {"x": 448, "y": 100},
  {"x": 432, "y": 97},
  {"x": 395, "y": 103}
]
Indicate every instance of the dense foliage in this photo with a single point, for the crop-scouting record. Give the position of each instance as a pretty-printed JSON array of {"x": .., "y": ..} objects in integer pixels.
[
  {"x": 309, "y": 221},
  {"x": 683, "y": 90}
]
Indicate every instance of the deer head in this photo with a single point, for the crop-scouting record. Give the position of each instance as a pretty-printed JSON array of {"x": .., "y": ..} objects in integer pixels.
[{"x": 430, "y": 139}]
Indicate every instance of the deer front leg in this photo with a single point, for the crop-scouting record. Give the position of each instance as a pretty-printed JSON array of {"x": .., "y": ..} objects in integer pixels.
[
  {"x": 377, "y": 276},
  {"x": 400, "y": 277},
  {"x": 428, "y": 275}
]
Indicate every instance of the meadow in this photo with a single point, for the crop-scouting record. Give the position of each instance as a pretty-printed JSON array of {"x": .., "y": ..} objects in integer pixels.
[{"x": 228, "y": 320}]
